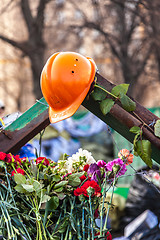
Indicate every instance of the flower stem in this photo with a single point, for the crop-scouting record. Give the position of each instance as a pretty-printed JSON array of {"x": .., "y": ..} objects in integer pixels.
[
  {"x": 10, "y": 190},
  {"x": 66, "y": 236},
  {"x": 83, "y": 228},
  {"x": 106, "y": 91},
  {"x": 101, "y": 215},
  {"x": 89, "y": 224},
  {"x": 57, "y": 223},
  {"x": 79, "y": 231},
  {"x": 105, "y": 224},
  {"x": 91, "y": 213}
]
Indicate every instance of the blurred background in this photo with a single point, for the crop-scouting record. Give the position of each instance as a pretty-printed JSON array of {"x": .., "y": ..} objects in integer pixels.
[{"x": 122, "y": 36}]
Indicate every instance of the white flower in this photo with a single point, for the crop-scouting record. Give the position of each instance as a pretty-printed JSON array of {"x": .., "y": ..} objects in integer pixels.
[
  {"x": 90, "y": 160},
  {"x": 83, "y": 153},
  {"x": 68, "y": 166},
  {"x": 63, "y": 166},
  {"x": 76, "y": 162}
]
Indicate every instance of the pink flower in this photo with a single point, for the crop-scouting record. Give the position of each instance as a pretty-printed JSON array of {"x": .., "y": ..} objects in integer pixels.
[
  {"x": 18, "y": 170},
  {"x": 67, "y": 175},
  {"x": 116, "y": 166},
  {"x": 101, "y": 163},
  {"x": 43, "y": 160}
]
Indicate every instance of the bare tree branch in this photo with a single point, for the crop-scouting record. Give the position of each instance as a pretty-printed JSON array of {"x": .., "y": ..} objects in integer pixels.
[
  {"x": 39, "y": 20},
  {"x": 4, "y": 9},
  {"x": 19, "y": 45},
  {"x": 141, "y": 65},
  {"x": 27, "y": 14}
]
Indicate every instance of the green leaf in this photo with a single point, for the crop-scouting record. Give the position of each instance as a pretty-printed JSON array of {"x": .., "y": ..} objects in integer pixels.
[
  {"x": 52, "y": 204},
  {"x": 45, "y": 199},
  {"x": 37, "y": 186},
  {"x": 106, "y": 105},
  {"x": 63, "y": 226},
  {"x": 136, "y": 138},
  {"x": 58, "y": 190},
  {"x": 55, "y": 237},
  {"x": 98, "y": 94},
  {"x": 74, "y": 181},
  {"x": 2, "y": 164},
  {"x": 61, "y": 195},
  {"x": 127, "y": 103},
  {"x": 20, "y": 189},
  {"x": 17, "y": 222},
  {"x": 60, "y": 184},
  {"x": 121, "y": 88},
  {"x": 55, "y": 178},
  {"x": 157, "y": 128},
  {"x": 34, "y": 169},
  {"x": 78, "y": 174},
  {"x": 72, "y": 221},
  {"x": 143, "y": 148},
  {"x": 28, "y": 187},
  {"x": 135, "y": 130},
  {"x": 41, "y": 192},
  {"x": 19, "y": 178}
]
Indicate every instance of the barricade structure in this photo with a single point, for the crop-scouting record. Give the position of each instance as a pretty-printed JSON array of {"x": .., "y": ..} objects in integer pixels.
[{"x": 35, "y": 119}]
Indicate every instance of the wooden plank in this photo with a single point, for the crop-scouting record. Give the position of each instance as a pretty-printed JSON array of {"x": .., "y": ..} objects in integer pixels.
[
  {"x": 29, "y": 124},
  {"x": 36, "y": 119}
]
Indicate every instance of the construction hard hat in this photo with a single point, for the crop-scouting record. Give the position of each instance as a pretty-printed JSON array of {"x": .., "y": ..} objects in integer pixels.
[{"x": 65, "y": 81}]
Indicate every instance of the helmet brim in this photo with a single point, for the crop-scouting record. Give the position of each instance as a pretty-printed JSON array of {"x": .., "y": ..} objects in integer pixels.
[{"x": 56, "y": 116}]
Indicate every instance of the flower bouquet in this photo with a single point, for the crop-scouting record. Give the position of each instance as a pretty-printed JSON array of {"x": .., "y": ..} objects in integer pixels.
[{"x": 43, "y": 199}]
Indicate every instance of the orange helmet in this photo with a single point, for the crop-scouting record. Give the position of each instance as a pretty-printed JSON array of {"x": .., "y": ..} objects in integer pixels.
[{"x": 65, "y": 81}]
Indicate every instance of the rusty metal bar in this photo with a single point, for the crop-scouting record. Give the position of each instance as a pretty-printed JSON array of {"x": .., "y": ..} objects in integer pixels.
[{"x": 36, "y": 119}]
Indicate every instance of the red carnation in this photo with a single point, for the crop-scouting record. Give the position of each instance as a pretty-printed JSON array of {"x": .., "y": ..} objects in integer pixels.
[
  {"x": 82, "y": 178},
  {"x": 80, "y": 191},
  {"x": 17, "y": 159},
  {"x": 8, "y": 158},
  {"x": 109, "y": 236},
  {"x": 44, "y": 160},
  {"x": 85, "y": 168},
  {"x": 2, "y": 156},
  {"x": 85, "y": 186},
  {"x": 18, "y": 170}
]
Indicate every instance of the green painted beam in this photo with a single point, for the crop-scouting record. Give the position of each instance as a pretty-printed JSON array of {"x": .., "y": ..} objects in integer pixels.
[
  {"x": 29, "y": 124},
  {"x": 35, "y": 119}
]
